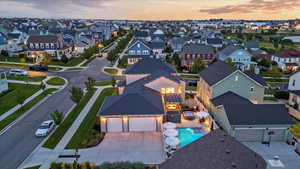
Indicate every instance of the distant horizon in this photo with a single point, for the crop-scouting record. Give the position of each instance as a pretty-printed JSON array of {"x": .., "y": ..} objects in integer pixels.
[{"x": 152, "y": 10}]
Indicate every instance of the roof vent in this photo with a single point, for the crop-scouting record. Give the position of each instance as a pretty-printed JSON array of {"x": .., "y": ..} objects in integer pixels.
[
  {"x": 222, "y": 140},
  {"x": 227, "y": 151},
  {"x": 233, "y": 165}
]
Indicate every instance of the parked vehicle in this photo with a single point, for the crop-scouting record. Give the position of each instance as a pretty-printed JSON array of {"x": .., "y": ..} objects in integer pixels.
[
  {"x": 45, "y": 128},
  {"x": 18, "y": 72},
  {"x": 38, "y": 68}
]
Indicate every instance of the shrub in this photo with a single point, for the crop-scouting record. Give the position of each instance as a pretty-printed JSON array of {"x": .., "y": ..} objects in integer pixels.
[
  {"x": 281, "y": 95},
  {"x": 122, "y": 165}
]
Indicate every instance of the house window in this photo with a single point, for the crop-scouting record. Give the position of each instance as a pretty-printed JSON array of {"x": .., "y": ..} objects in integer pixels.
[
  {"x": 37, "y": 46},
  {"x": 47, "y": 45},
  {"x": 251, "y": 89},
  {"x": 294, "y": 82},
  {"x": 31, "y": 45},
  {"x": 236, "y": 78},
  {"x": 138, "y": 52},
  {"x": 167, "y": 90},
  {"x": 138, "y": 45}
]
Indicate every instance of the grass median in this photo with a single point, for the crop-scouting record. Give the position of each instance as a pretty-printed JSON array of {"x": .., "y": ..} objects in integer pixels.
[
  {"x": 86, "y": 135},
  {"x": 103, "y": 83},
  {"x": 9, "y": 99},
  {"x": 26, "y": 78},
  {"x": 11, "y": 118},
  {"x": 54, "y": 139},
  {"x": 111, "y": 71},
  {"x": 56, "y": 81}
]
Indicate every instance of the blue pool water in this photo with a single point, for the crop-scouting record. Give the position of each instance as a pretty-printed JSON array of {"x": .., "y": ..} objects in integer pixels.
[{"x": 189, "y": 135}]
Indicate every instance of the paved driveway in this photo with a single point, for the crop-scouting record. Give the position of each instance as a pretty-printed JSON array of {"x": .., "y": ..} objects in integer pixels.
[
  {"x": 145, "y": 147},
  {"x": 286, "y": 153}
]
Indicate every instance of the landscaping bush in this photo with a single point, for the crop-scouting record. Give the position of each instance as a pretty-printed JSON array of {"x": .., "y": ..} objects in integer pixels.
[
  {"x": 281, "y": 95},
  {"x": 122, "y": 165}
]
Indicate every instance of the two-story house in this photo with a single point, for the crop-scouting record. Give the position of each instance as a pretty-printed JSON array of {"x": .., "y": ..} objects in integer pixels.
[
  {"x": 176, "y": 44},
  {"x": 51, "y": 44},
  {"x": 3, "y": 41},
  {"x": 138, "y": 50},
  {"x": 240, "y": 57},
  {"x": 287, "y": 59},
  {"x": 152, "y": 90},
  {"x": 294, "y": 89},
  {"x": 235, "y": 100},
  {"x": 191, "y": 52}
]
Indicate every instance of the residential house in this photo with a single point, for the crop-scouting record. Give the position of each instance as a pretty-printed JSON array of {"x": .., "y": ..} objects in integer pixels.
[
  {"x": 3, "y": 81},
  {"x": 51, "y": 44},
  {"x": 176, "y": 44},
  {"x": 240, "y": 57},
  {"x": 219, "y": 78},
  {"x": 214, "y": 42},
  {"x": 3, "y": 41},
  {"x": 15, "y": 41},
  {"x": 294, "y": 89},
  {"x": 142, "y": 35},
  {"x": 191, "y": 52},
  {"x": 253, "y": 48},
  {"x": 157, "y": 45},
  {"x": 138, "y": 50},
  {"x": 246, "y": 121},
  {"x": 151, "y": 91},
  {"x": 214, "y": 151},
  {"x": 287, "y": 59}
]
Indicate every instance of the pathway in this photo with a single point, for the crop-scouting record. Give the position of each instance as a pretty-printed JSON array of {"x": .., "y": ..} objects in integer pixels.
[{"x": 45, "y": 156}]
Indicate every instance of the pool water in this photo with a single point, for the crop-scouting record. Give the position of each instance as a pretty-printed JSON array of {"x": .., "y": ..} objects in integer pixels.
[{"x": 189, "y": 135}]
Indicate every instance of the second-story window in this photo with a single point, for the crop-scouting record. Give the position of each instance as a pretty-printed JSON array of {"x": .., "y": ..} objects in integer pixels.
[
  {"x": 251, "y": 89},
  {"x": 236, "y": 78}
]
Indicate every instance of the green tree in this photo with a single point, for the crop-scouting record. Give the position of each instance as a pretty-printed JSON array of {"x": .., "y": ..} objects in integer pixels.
[
  {"x": 113, "y": 81},
  {"x": 89, "y": 83},
  {"x": 176, "y": 60},
  {"x": 4, "y": 53},
  {"x": 197, "y": 66},
  {"x": 265, "y": 63},
  {"x": 57, "y": 116},
  {"x": 229, "y": 61},
  {"x": 46, "y": 59},
  {"x": 64, "y": 59},
  {"x": 76, "y": 94},
  {"x": 168, "y": 49}
]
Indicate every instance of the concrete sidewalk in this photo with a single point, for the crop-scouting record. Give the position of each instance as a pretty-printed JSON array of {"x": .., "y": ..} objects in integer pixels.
[{"x": 44, "y": 156}]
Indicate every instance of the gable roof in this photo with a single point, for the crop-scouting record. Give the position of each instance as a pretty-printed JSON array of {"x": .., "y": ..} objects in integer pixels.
[
  {"x": 214, "y": 41},
  {"x": 257, "y": 78},
  {"x": 149, "y": 66},
  {"x": 213, "y": 151},
  {"x": 42, "y": 39},
  {"x": 138, "y": 41},
  {"x": 288, "y": 53},
  {"x": 216, "y": 72},
  {"x": 257, "y": 114},
  {"x": 251, "y": 44},
  {"x": 141, "y": 34},
  {"x": 229, "y": 50},
  {"x": 197, "y": 49},
  {"x": 230, "y": 98}
]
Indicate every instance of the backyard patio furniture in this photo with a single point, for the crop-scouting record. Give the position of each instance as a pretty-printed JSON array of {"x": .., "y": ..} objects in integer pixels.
[
  {"x": 202, "y": 114},
  {"x": 171, "y": 133},
  {"x": 169, "y": 125},
  {"x": 189, "y": 115},
  {"x": 172, "y": 141}
]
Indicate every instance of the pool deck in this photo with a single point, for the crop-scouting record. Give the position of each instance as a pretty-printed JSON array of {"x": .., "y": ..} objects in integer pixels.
[{"x": 193, "y": 124}]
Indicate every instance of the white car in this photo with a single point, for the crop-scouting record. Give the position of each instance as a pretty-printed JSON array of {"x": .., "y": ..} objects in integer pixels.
[
  {"x": 45, "y": 128},
  {"x": 18, "y": 72}
]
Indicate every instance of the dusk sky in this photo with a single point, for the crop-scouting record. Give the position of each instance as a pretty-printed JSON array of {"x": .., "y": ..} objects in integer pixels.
[{"x": 152, "y": 9}]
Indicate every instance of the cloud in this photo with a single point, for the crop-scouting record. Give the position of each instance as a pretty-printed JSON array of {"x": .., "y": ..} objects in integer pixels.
[{"x": 255, "y": 6}]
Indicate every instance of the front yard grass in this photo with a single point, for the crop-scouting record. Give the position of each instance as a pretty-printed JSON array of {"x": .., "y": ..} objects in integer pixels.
[
  {"x": 56, "y": 81},
  {"x": 26, "y": 78},
  {"x": 270, "y": 99},
  {"x": 11, "y": 118},
  {"x": 103, "y": 83},
  {"x": 16, "y": 66},
  {"x": 189, "y": 76},
  {"x": 9, "y": 99},
  {"x": 54, "y": 139},
  {"x": 295, "y": 129},
  {"x": 71, "y": 62},
  {"x": 111, "y": 71},
  {"x": 86, "y": 135}
]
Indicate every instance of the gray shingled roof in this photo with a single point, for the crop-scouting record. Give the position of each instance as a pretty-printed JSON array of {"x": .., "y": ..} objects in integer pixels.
[
  {"x": 257, "y": 78},
  {"x": 149, "y": 66},
  {"x": 251, "y": 44},
  {"x": 229, "y": 50},
  {"x": 215, "y": 150},
  {"x": 230, "y": 98},
  {"x": 197, "y": 49},
  {"x": 257, "y": 114},
  {"x": 216, "y": 72}
]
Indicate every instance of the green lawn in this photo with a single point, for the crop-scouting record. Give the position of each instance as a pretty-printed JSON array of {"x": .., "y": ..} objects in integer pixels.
[
  {"x": 71, "y": 62},
  {"x": 16, "y": 66},
  {"x": 295, "y": 129},
  {"x": 86, "y": 135},
  {"x": 34, "y": 167},
  {"x": 54, "y": 68},
  {"x": 277, "y": 80},
  {"x": 270, "y": 99},
  {"x": 189, "y": 76},
  {"x": 26, "y": 78},
  {"x": 111, "y": 71},
  {"x": 11, "y": 118},
  {"x": 193, "y": 88},
  {"x": 103, "y": 83},
  {"x": 88, "y": 61},
  {"x": 270, "y": 91},
  {"x": 56, "y": 81},
  {"x": 8, "y": 100},
  {"x": 15, "y": 59},
  {"x": 54, "y": 139}
]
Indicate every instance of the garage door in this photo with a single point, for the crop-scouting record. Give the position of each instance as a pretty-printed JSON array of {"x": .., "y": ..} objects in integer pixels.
[
  {"x": 249, "y": 134},
  {"x": 114, "y": 125},
  {"x": 142, "y": 124},
  {"x": 278, "y": 134}
]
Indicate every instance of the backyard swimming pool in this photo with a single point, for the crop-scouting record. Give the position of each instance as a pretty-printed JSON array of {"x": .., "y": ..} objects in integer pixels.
[{"x": 189, "y": 135}]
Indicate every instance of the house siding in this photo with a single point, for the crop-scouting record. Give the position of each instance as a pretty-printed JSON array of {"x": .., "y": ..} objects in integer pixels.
[
  {"x": 220, "y": 116},
  {"x": 241, "y": 87}
]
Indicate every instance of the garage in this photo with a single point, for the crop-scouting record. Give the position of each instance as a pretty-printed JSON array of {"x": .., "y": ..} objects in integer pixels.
[
  {"x": 114, "y": 125},
  {"x": 249, "y": 134},
  {"x": 142, "y": 124},
  {"x": 277, "y": 134}
]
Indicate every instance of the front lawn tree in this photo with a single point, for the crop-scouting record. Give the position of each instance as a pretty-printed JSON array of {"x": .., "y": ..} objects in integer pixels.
[
  {"x": 46, "y": 59},
  {"x": 4, "y": 53},
  {"x": 57, "y": 117},
  {"x": 197, "y": 66},
  {"x": 64, "y": 58},
  {"x": 113, "y": 81},
  {"x": 89, "y": 83},
  {"x": 76, "y": 94}
]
